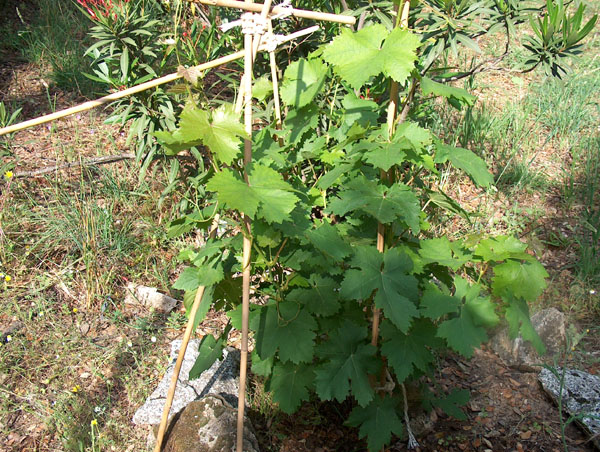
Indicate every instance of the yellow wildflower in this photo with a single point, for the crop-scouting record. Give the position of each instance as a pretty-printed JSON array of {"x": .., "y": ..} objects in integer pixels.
[
  {"x": 75, "y": 310},
  {"x": 75, "y": 389},
  {"x": 8, "y": 174},
  {"x": 94, "y": 422},
  {"x": 7, "y": 278}
]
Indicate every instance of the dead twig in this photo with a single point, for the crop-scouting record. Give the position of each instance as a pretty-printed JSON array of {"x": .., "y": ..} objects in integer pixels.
[{"x": 89, "y": 162}]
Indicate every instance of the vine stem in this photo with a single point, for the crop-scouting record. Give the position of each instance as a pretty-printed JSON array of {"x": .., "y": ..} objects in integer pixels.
[{"x": 247, "y": 241}]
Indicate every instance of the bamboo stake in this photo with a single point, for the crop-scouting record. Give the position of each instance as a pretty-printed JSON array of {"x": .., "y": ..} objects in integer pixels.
[
  {"x": 142, "y": 87},
  {"x": 274, "y": 80},
  {"x": 184, "y": 343},
  {"x": 171, "y": 393},
  {"x": 247, "y": 241},
  {"x": 304, "y": 14}
]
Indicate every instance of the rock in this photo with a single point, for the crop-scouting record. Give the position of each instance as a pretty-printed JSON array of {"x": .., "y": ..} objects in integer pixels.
[
  {"x": 550, "y": 326},
  {"x": 149, "y": 297},
  {"x": 580, "y": 396},
  {"x": 208, "y": 425},
  {"x": 221, "y": 379}
]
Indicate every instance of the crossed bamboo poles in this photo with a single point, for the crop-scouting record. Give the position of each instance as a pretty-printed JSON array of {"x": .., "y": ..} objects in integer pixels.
[{"x": 252, "y": 44}]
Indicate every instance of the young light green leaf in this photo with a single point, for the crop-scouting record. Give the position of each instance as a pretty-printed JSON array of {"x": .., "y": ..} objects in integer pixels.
[
  {"x": 356, "y": 57},
  {"x": 276, "y": 198},
  {"x": 262, "y": 367},
  {"x": 400, "y": 50},
  {"x": 221, "y": 131},
  {"x": 290, "y": 384},
  {"x": 303, "y": 80},
  {"x": 268, "y": 195},
  {"x": 377, "y": 421},
  {"x": 262, "y": 88},
  {"x": 520, "y": 279},
  {"x": 501, "y": 248},
  {"x": 234, "y": 193},
  {"x": 361, "y": 111}
]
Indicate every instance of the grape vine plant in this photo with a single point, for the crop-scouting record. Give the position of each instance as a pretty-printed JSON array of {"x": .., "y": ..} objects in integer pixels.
[{"x": 320, "y": 190}]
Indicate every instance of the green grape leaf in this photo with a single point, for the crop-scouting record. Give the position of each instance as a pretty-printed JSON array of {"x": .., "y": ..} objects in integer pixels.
[
  {"x": 526, "y": 279},
  {"x": 434, "y": 304},
  {"x": 262, "y": 367},
  {"x": 302, "y": 81},
  {"x": 386, "y": 204},
  {"x": 205, "y": 303},
  {"x": 517, "y": 316},
  {"x": 388, "y": 275},
  {"x": 349, "y": 362},
  {"x": 440, "y": 250},
  {"x": 210, "y": 349},
  {"x": 467, "y": 161},
  {"x": 501, "y": 248},
  {"x": 327, "y": 239},
  {"x": 452, "y": 402},
  {"x": 234, "y": 193},
  {"x": 356, "y": 57},
  {"x": 321, "y": 299},
  {"x": 286, "y": 328},
  {"x": 299, "y": 121},
  {"x": 268, "y": 195},
  {"x": 193, "y": 277},
  {"x": 385, "y": 155},
  {"x": 290, "y": 385},
  {"x": 359, "y": 111},
  {"x": 400, "y": 50},
  {"x": 439, "y": 89},
  {"x": 262, "y": 88},
  {"x": 274, "y": 193},
  {"x": 377, "y": 421},
  {"x": 407, "y": 352},
  {"x": 221, "y": 131},
  {"x": 462, "y": 333},
  {"x": 417, "y": 136},
  {"x": 483, "y": 311}
]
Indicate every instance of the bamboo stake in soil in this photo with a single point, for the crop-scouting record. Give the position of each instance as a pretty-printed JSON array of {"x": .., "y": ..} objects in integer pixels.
[
  {"x": 247, "y": 241},
  {"x": 304, "y": 14},
  {"x": 171, "y": 393},
  {"x": 142, "y": 87}
]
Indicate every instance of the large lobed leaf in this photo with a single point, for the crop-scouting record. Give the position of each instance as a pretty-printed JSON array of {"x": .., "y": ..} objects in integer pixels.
[
  {"x": 358, "y": 56},
  {"x": 388, "y": 275}
]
